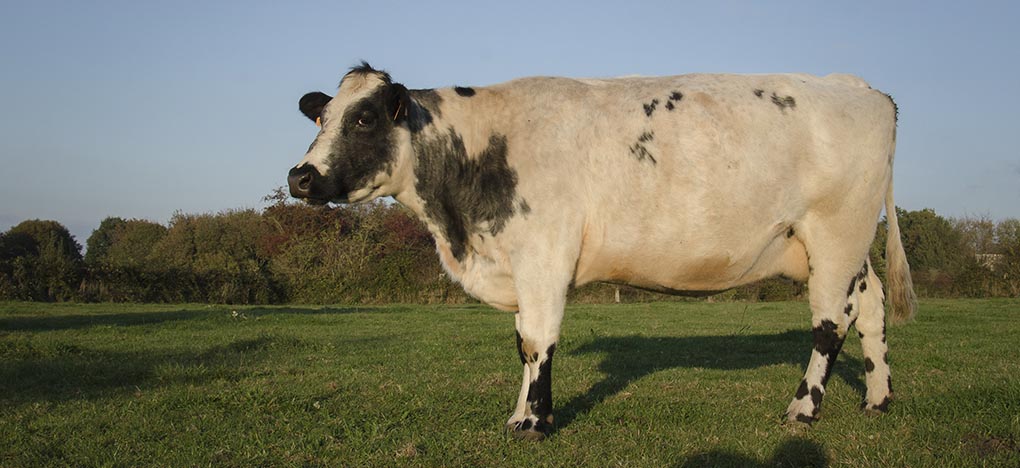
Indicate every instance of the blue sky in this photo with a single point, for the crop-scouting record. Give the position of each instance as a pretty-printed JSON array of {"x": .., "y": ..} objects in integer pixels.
[{"x": 140, "y": 109}]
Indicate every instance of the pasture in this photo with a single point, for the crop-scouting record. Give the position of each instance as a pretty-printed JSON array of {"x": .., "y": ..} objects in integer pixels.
[{"x": 660, "y": 384}]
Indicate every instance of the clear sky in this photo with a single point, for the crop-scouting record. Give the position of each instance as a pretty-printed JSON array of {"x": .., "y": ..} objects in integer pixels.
[{"x": 139, "y": 109}]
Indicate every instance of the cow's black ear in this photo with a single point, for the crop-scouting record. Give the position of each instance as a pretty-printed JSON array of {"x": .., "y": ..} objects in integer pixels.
[
  {"x": 398, "y": 102},
  {"x": 311, "y": 105}
]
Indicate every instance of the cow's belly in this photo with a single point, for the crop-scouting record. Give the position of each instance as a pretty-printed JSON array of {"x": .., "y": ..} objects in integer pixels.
[{"x": 683, "y": 267}]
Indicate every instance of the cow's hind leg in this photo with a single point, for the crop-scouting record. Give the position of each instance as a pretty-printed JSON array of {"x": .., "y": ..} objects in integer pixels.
[
  {"x": 871, "y": 329},
  {"x": 835, "y": 304}
]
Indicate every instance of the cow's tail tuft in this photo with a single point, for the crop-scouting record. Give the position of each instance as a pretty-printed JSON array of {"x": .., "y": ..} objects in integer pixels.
[{"x": 899, "y": 284}]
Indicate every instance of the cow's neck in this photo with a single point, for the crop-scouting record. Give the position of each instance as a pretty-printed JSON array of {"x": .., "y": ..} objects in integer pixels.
[{"x": 460, "y": 193}]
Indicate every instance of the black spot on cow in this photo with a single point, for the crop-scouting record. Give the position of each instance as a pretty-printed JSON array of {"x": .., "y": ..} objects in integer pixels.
[
  {"x": 805, "y": 419},
  {"x": 540, "y": 392},
  {"x": 849, "y": 308},
  {"x": 784, "y": 102},
  {"x": 869, "y": 365},
  {"x": 853, "y": 284},
  {"x": 650, "y": 107},
  {"x": 462, "y": 193},
  {"x": 816, "y": 397},
  {"x": 864, "y": 286},
  {"x": 828, "y": 343},
  {"x": 759, "y": 93},
  {"x": 670, "y": 106},
  {"x": 860, "y": 335},
  {"x": 464, "y": 91},
  {"x": 526, "y": 424},
  {"x": 676, "y": 96},
  {"x": 789, "y": 233},
  {"x": 523, "y": 207},
  {"x": 883, "y": 406},
  {"x": 640, "y": 151},
  {"x": 802, "y": 390},
  {"x": 825, "y": 337},
  {"x": 534, "y": 356},
  {"x": 425, "y": 104},
  {"x": 520, "y": 348},
  {"x": 888, "y": 382}
]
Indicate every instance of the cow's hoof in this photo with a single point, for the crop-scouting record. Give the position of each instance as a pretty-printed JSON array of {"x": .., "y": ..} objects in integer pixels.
[
  {"x": 876, "y": 410},
  {"x": 528, "y": 429},
  {"x": 798, "y": 422}
]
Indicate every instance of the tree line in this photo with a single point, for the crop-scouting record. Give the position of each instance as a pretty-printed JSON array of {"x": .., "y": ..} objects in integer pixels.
[{"x": 379, "y": 253}]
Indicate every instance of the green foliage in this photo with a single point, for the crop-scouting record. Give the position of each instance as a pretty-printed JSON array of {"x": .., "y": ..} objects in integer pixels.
[
  {"x": 40, "y": 261},
  {"x": 379, "y": 253}
]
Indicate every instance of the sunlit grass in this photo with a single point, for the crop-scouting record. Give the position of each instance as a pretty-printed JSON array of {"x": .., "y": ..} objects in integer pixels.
[{"x": 665, "y": 384}]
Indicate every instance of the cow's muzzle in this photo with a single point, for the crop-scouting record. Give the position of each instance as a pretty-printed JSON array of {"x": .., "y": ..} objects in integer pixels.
[{"x": 303, "y": 181}]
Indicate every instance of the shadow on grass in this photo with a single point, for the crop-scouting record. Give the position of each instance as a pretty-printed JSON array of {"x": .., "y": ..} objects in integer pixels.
[
  {"x": 629, "y": 358},
  {"x": 795, "y": 452},
  {"x": 143, "y": 317},
  {"x": 62, "y": 371}
]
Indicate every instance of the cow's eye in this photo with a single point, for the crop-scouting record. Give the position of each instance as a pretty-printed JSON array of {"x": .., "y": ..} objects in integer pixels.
[{"x": 366, "y": 120}]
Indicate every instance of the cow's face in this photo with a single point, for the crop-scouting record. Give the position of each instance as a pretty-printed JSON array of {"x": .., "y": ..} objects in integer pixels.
[{"x": 353, "y": 156}]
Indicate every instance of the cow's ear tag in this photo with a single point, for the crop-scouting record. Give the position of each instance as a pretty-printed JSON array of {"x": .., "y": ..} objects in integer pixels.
[{"x": 318, "y": 122}]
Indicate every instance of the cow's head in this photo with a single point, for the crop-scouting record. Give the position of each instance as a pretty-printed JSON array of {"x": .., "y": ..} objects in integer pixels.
[{"x": 358, "y": 147}]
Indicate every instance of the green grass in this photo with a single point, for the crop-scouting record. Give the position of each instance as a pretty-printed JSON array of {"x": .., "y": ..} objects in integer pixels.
[{"x": 665, "y": 384}]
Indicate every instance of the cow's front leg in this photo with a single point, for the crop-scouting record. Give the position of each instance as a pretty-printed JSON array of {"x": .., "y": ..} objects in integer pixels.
[{"x": 538, "y": 320}]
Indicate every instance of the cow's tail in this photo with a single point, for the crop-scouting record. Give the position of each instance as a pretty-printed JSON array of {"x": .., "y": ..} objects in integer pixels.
[{"x": 900, "y": 287}]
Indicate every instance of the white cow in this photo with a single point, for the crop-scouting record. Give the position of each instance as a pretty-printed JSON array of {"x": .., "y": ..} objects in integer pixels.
[{"x": 683, "y": 184}]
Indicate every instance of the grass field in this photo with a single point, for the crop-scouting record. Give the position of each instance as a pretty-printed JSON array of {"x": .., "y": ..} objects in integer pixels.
[{"x": 663, "y": 384}]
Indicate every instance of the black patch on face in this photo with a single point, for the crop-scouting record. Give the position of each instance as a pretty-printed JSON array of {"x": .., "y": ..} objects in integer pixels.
[
  {"x": 640, "y": 151},
  {"x": 849, "y": 308},
  {"x": 526, "y": 424},
  {"x": 864, "y": 286},
  {"x": 650, "y": 107},
  {"x": 789, "y": 233},
  {"x": 759, "y": 93},
  {"x": 363, "y": 146},
  {"x": 460, "y": 192},
  {"x": 784, "y": 102},
  {"x": 464, "y": 91},
  {"x": 853, "y": 284},
  {"x": 869, "y": 365},
  {"x": 540, "y": 391},
  {"x": 801, "y": 390}
]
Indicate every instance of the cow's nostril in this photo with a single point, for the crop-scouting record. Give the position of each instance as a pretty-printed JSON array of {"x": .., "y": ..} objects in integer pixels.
[{"x": 305, "y": 182}]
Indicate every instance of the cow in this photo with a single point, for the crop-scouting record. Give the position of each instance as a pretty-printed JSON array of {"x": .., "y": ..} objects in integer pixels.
[{"x": 688, "y": 184}]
